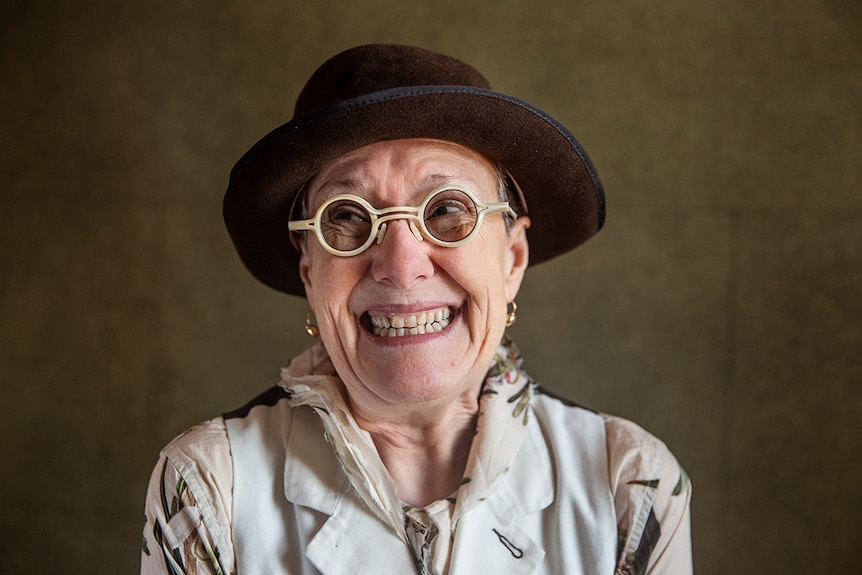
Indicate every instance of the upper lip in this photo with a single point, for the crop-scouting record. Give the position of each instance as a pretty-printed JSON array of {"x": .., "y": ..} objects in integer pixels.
[
  {"x": 407, "y": 309},
  {"x": 420, "y": 316}
]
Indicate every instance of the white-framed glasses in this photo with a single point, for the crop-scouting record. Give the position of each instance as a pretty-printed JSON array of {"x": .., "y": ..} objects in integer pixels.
[{"x": 346, "y": 225}]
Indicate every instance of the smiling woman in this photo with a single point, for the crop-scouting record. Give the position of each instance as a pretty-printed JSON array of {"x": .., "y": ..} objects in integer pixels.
[
  {"x": 410, "y": 438},
  {"x": 404, "y": 276}
]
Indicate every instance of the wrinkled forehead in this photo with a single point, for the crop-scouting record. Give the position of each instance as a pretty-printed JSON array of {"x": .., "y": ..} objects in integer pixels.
[{"x": 403, "y": 171}]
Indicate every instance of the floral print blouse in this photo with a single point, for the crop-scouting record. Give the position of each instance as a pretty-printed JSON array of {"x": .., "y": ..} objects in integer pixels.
[{"x": 651, "y": 492}]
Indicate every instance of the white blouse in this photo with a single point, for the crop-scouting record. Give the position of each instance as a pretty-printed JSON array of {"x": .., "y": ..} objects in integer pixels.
[{"x": 193, "y": 527}]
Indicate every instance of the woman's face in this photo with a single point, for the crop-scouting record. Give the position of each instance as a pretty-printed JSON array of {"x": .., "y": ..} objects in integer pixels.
[{"x": 404, "y": 280}]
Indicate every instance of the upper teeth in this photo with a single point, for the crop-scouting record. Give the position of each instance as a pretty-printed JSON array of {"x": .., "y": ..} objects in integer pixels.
[{"x": 418, "y": 324}]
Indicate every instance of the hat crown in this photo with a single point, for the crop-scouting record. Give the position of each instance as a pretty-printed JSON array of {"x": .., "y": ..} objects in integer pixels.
[{"x": 376, "y": 67}]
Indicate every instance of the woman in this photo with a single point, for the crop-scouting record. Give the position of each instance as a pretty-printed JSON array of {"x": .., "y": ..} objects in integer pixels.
[{"x": 405, "y": 200}]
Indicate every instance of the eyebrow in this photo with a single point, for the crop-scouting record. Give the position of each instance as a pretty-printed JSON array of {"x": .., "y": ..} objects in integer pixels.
[
  {"x": 355, "y": 185},
  {"x": 349, "y": 184},
  {"x": 437, "y": 180}
]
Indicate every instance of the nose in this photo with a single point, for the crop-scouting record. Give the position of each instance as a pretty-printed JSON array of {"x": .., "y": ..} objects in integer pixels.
[{"x": 400, "y": 258}]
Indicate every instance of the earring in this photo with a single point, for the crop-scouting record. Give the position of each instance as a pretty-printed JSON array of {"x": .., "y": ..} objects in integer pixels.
[
  {"x": 310, "y": 325},
  {"x": 511, "y": 313}
]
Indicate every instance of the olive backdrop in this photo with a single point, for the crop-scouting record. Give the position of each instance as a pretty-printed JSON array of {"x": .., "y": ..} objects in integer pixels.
[{"x": 721, "y": 307}]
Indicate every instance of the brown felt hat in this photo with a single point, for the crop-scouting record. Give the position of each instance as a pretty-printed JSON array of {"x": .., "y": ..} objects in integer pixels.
[{"x": 382, "y": 92}]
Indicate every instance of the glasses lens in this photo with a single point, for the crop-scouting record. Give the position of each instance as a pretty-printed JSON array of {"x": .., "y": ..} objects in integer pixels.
[
  {"x": 345, "y": 225},
  {"x": 450, "y": 216}
]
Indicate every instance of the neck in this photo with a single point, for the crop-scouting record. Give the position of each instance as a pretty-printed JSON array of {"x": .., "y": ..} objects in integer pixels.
[{"x": 426, "y": 460}]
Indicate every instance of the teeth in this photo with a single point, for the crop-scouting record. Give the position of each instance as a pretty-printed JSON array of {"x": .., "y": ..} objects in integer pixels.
[{"x": 423, "y": 323}]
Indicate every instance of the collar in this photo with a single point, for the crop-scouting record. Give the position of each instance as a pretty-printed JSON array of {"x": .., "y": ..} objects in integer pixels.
[{"x": 505, "y": 429}]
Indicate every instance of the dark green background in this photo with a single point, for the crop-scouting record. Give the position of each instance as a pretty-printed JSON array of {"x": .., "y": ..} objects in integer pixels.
[{"x": 720, "y": 307}]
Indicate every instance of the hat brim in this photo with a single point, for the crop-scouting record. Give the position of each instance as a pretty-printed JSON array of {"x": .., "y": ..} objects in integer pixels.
[{"x": 561, "y": 187}]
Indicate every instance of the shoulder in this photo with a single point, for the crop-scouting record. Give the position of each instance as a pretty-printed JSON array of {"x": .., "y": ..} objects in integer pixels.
[
  {"x": 651, "y": 491},
  {"x": 652, "y": 496},
  {"x": 190, "y": 496},
  {"x": 635, "y": 453},
  {"x": 200, "y": 458},
  {"x": 632, "y": 453},
  {"x": 188, "y": 502},
  {"x": 204, "y": 442},
  {"x": 631, "y": 450}
]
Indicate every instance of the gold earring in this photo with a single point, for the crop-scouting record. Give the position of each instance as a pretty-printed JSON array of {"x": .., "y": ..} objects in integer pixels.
[
  {"x": 511, "y": 313},
  {"x": 310, "y": 325}
]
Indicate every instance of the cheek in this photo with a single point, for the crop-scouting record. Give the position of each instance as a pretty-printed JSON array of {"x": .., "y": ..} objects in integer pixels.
[
  {"x": 322, "y": 282},
  {"x": 480, "y": 272},
  {"x": 489, "y": 263},
  {"x": 331, "y": 280}
]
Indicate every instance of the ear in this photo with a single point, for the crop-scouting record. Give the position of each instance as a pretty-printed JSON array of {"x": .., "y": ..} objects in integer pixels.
[{"x": 517, "y": 257}]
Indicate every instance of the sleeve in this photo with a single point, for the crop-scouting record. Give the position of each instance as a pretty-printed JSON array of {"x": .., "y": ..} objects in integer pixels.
[
  {"x": 187, "y": 508},
  {"x": 652, "y": 496}
]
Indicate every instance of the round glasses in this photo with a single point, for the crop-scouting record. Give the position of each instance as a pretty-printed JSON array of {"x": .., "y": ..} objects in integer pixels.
[{"x": 347, "y": 225}]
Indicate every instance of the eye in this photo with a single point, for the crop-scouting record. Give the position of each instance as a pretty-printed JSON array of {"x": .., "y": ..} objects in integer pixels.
[
  {"x": 449, "y": 203},
  {"x": 450, "y": 216},
  {"x": 347, "y": 212},
  {"x": 442, "y": 209},
  {"x": 345, "y": 225}
]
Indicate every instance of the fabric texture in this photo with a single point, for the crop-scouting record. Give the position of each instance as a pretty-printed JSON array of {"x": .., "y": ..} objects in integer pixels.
[{"x": 291, "y": 484}]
